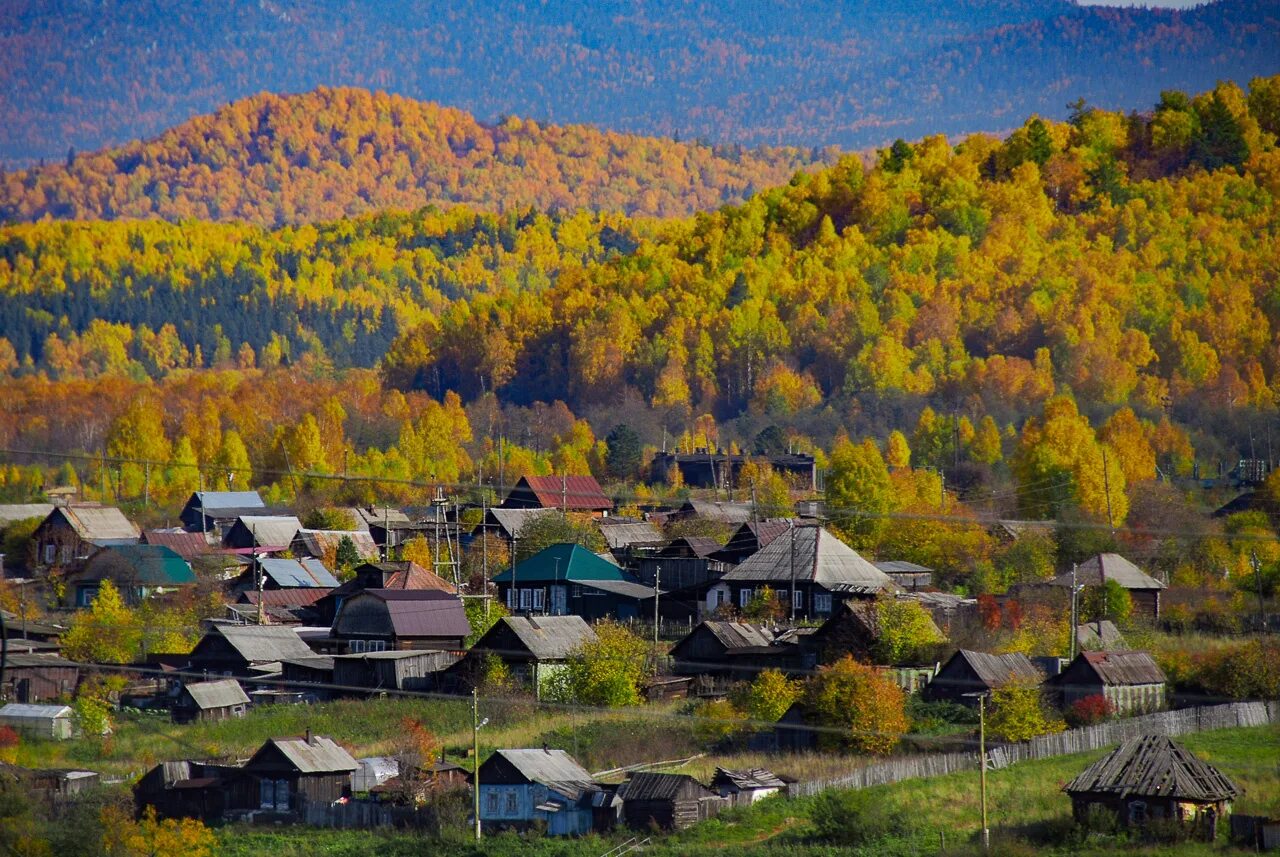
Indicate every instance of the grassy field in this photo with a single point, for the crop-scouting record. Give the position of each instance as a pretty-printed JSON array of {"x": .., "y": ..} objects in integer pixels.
[{"x": 1028, "y": 815}]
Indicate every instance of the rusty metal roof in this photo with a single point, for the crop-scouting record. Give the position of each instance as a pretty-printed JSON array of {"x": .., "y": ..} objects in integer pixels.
[
  {"x": 997, "y": 670},
  {"x": 572, "y": 493},
  {"x": 1122, "y": 668}
]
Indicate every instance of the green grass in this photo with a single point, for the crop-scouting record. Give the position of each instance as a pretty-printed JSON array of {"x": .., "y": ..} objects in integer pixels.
[{"x": 1028, "y": 814}]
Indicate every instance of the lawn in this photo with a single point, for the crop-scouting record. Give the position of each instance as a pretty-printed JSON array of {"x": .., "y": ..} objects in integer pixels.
[{"x": 1027, "y": 811}]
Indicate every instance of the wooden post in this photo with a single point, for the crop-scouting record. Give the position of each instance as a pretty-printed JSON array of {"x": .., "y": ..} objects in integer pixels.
[
  {"x": 982, "y": 767},
  {"x": 475, "y": 751}
]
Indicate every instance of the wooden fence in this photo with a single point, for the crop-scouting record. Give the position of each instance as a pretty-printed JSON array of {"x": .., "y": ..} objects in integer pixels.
[{"x": 1080, "y": 740}]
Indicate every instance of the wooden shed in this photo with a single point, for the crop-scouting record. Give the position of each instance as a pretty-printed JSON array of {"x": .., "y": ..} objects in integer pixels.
[
  {"x": 743, "y": 788},
  {"x": 210, "y": 700},
  {"x": 286, "y": 774},
  {"x": 1152, "y": 778},
  {"x": 1132, "y": 682},
  {"x": 38, "y": 678},
  {"x": 671, "y": 801},
  {"x": 968, "y": 673},
  {"x": 1143, "y": 589},
  {"x": 403, "y": 670}
]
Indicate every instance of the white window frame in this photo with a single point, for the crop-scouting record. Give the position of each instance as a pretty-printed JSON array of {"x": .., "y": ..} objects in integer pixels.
[
  {"x": 511, "y": 598},
  {"x": 50, "y": 553},
  {"x": 822, "y": 602},
  {"x": 512, "y": 806},
  {"x": 744, "y": 597},
  {"x": 539, "y": 598},
  {"x": 797, "y": 599},
  {"x": 526, "y": 598}
]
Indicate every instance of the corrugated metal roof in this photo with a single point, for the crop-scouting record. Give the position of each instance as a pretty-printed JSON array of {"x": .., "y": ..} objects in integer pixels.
[
  {"x": 561, "y": 562},
  {"x": 301, "y": 597},
  {"x": 997, "y": 670},
  {"x": 93, "y": 522},
  {"x": 573, "y": 493},
  {"x": 10, "y": 512},
  {"x": 318, "y": 542},
  {"x": 263, "y": 643},
  {"x": 551, "y": 637},
  {"x": 184, "y": 544},
  {"x": 900, "y": 566},
  {"x": 29, "y": 710},
  {"x": 422, "y": 612},
  {"x": 217, "y": 694},
  {"x": 214, "y": 501},
  {"x": 1109, "y": 566},
  {"x": 1153, "y": 766},
  {"x": 308, "y": 572},
  {"x": 817, "y": 556},
  {"x": 555, "y": 769},
  {"x": 150, "y": 565},
  {"x": 320, "y": 755},
  {"x": 624, "y": 534},
  {"x": 271, "y": 530},
  {"x": 716, "y": 510},
  {"x": 1123, "y": 668}
]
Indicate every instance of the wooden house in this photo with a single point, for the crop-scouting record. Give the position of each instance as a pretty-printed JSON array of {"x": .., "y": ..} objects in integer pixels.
[
  {"x": 138, "y": 572},
  {"x": 186, "y": 789},
  {"x": 669, "y": 801},
  {"x": 217, "y": 511},
  {"x": 319, "y": 544},
  {"x": 246, "y": 650},
  {"x": 968, "y": 673},
  {"x": 506, "y": 524},
  {"x": 853, "y": 629},
  {"x": 209, "y": 700},
  {"x": 38, "y": 678},
  {"x": 190, "y": 546},
  {"x": 568, "y": 579},
  {"x": 566, "y": 493},
  {"x": 287, "y": 774},
  {"x": 282, "y": 606},
  {"x": 315, "y": 669},
  {"x": 403, "y": 574},
  {"x": 71, "y": 533},
  {"x": 808, "y": 568},
  {"x": 305, "y": 573},
  {"x": 393, "y": 670},
  {"x": 750, "y": 538},
  {"x": 1143, "y": 589},
  {"x": 267, "y": 533},
  {"x": 908, "y": 575},
  {"x": 533, "y": 648},
  {"x": 377, "y": 620},
  {"x": 743, "y": 788},
  {"x": 720, "y": 652},
  {"x": 521, "y": 787},
  {"x": 706, "y": 468},
  {"x": 1151, "y": 778},
  {"x": 1131, "y": 681}
]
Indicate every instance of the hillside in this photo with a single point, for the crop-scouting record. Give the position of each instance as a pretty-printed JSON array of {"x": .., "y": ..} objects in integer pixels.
[
  {"x": 855, "y": 75},
  {"x": 336, "y": 153}
]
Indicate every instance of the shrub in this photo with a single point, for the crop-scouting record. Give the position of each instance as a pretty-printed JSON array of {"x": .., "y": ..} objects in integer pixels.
[
  {"x": 855, "y": 817},
  {"x": 1089, "y": 710},
  {"x": 718, "y": 722},
  {"x": 855, "y": 698},
  {"x": 8, "y": 744},
  {"x": 1018, "y": 713}
]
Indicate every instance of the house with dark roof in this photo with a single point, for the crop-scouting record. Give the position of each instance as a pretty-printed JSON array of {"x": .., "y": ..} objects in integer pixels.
[
  {"x": 305, "y": 573},
  {"x": 280, "y": 606},
  {"x": 724, "y": 651},
  {"x": 749, "y": 538},
  {"x": 969, "y": 673},
  {"x": 520, "y": 787},
  {"x": 402, "y": 574},
  {"x": 625, "y": 536},
  {"x": 271, "y": 533},
  {"x": 568, "y": 579},
  {"x": 216, "y": 511},
  {"x": 507, "y": 524},
  {"x": 854, "y": 629},
  {"x": 71, "y": 533},
  {"x": 1143, "y": 589},
  {"x": 209, "y": 700},
  {"x": 908, "y": 575},
  {"x": 246, "y": 650},
  {"x": 809, "y": 568},
  {"x": 189, "y": 546},
  {"x": 1151, "y": 778},
  {"x": 566, "y": 493},
  {"x": 289, "y": 774},
  {"x": 1131, "y": 681},
  {"x": 378, "y": 620},
  {"x": 414, "y": 669},
  {"x": 706, "y": 468},
  {"x": 137, "y": 571},
  {"x": 186, "y": 789},
  {"x": 668, "y": 801},
  {"x": 533, "y": 647}
]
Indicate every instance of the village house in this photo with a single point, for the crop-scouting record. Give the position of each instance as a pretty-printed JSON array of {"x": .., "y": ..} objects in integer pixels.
[
  {"x": 312, "y": 669},
  {"x": 719, "y": 511},
  {"x": 719, "y": 652},
  {"x": 1143, "y": 589},
  {"x": 909, "y": 576},
  {"x": 414, "y": 670},
  {"x": 190, "y": 546},
  {"x": 968, "y": 674},
  {"x": 280, "y": 606},
  {"x": 520, "y": 787},
  {"x": 217, "y": 511},
  {"x": 1151, "y": 778},
  {"x": 506, "y": 524},
  {"x": 324, "y": 543},
  {"x": 568, "y": 579},
  {"x": 288, "y": 774},
  {"x": 1131, "y": 682},
  {"x": 532, "y": 648},
  {"x": 853, "y": 629},
  {"x": 245, "y": 651},
  {"x": 305, "y": 573},
  {"x": 669, "y": 801},
  {"x": 684, "y": 567},
  {"x": 209, "y": 700},
  {"x": 186, "y": 789},
  {"x": 625, "y": 536},
  {"x": 748, "y": 539},
  {"x": 743, "y": 788},
  {"x": 566, "y": 493},
  {"x": 403, "y": 575},
  {"x": 809, "y": 569},
  {"x": 137, "y": 571},
  {"x": 71, "y": 533},
  {"x": 378, "y": 620},
  {"x": 705, "y": 468},
  {"x": 261, "y": 533},
  {"x": 35, "y": 678}
]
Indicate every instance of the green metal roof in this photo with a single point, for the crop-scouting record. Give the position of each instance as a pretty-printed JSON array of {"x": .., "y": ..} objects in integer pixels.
[
  {"x": 155, "y": 565},
  {"x": 562, "y": 562}
]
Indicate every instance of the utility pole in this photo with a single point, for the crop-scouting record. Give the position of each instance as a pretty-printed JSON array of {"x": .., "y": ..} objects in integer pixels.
[
  {"x": 657, "y": 579},
  {"x": 146, "y": 485},
  {"x": 1257, "y": 582},
  {"x": 475, "y": 755},
  {"x": 982, "y": 766},
  {"x": 257, "y": 569},
  {"x": 1106, "y": 484},
  {"x": 204, "y": 521},
  {"x": 484, "y": 546},
  {"x": 791, "y": 527},
  {"x": 564, "y": 493},
  {"x": 1074, "y": 590}
]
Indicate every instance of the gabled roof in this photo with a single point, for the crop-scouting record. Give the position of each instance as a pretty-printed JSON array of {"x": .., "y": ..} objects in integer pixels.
[
  {"x": 34, "y": 711},
  {"x": 623, "y": 588},
  {"x": 96, "y": 523},
  {"x": 298, "y": 573},
  {"x": 380, "y": 516},
  {"x": 546, "y": 637},
  {"x": 900, "y": 566},
  {"x": 738, "y": 635},
  {"x": 716, "y": 510},
  {"x": 1153, "y": 766},
  {"x": 1099, "y": 635},
  {"x": 555, "y": 769},
  {"x": 1124, "y": 668},
  {"x": 562, "y": 562},
  {"x": 1109, "y": 566},
  {"x": 10, "y": 512},
  {"x": 217, "y": 694},
  {"x": 263, "y": 643},
  {"x": 571, "y": 493},
  {"x": 406, "y": 574},
  {"x": 147, "y": 565},
  {"x": 624, "y": 534},
  {"x": 647, "y": 785},
  {"x": 320, "y": 755},
  {"x": 318, "y": 542},
  {"x": 511, "y": 521},
  {"x": 300, "y": 597},
  {"x": 997, "y": 670},
  {"x": 756, "y": 778},
  {"x": 816, "y": 556},
  {"x": 421, "y": 612},
  {"x": 700, "y": 546},
  {"x": 271, "y": 530},
  {"x": 184, "y": 544},
  {"x": 751, "y": 536},
  {"x": 215, "y": 502}
]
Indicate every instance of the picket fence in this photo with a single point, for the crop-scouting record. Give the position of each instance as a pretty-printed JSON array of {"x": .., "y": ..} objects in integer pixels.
[{"x": 1084, "y": 739}]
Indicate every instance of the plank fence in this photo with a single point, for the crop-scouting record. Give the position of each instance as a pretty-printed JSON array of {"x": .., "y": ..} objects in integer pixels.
[{"x": 1080, "y": 740}]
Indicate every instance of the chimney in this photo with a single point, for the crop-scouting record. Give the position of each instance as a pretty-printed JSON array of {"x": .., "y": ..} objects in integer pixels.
[
  {"x": 310, "y": 740},
  {"x": 545, "y": 749}
]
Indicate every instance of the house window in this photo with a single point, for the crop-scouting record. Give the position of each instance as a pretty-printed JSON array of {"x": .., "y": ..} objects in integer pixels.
[
  {"x": 511, "y": 598},
  {"x": 539, "y": 598},
  {"x": 525, "y": 596},
  {"x": 721, "y": 597},
  {"x": 50, "y": 551},
  {"x": 822, "y": 602},
  {"x": 513, "y": 802},
  {"x": 491, "y": 803},
  {"x": 797, "y": 599},
  {"x": 577, "y": 590},
  {"x": 66, "y": 553},
  {"x": 357, "y": 647},
  {"x": 1138, "y": 812},
  {"x": 377, "y": 646},
  {"x": 273, "y": 794},
  {"x": 744, "y": 597}
]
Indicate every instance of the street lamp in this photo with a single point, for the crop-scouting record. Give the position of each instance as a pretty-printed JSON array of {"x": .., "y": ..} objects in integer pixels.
[{"x": 476, "y": 725}]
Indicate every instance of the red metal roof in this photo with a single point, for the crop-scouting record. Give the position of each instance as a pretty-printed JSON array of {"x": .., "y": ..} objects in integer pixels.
[
  {"x": 300, "y": 597},
  {"x": 574, "y": 493},
  {"x": 184, "y": 544}
]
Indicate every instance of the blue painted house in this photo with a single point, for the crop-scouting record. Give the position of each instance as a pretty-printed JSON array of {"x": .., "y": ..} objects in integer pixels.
[{"x": 521, "y": 787}]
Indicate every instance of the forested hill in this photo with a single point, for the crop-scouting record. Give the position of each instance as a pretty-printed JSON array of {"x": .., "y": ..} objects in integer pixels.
[
  {"x": 814, "y": 73},
  {"x": 1131, "y": 258},
  {"x": 334, "y": 153}
]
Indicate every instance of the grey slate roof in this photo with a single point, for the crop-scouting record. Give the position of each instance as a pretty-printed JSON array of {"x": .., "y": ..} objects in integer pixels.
[
  {"x": 1125, "y": 668},
  {"x": 551, "y": 637},
  {"x": 818, "y": 556},
  {"x": 95, "y": 523},
  {"x": 306, "y": 572},
  {"x": 552, "y": 768},
  {"x": 217, "y": 694},
  {"x": 623, "y": 534},
  {"x": 717, "y": 510},
  {"x": 625, "y": 588},
  {"x": 513, "y": 520},
  {"x": 1153, "y": 766},
  {"x": 214, "y": 502},
  {"x": 272, "y": 530},
  {"x": 996, "y": 670},
  {"x": 264, "y": 643},
  {"x": 316, "y": 542},
  {"x": 320, "y": 755},
  {"x": 1109, "y": 566}
]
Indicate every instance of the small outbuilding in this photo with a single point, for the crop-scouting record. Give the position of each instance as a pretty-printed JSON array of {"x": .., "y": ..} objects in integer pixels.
[
  {"x": 742, "y": 788},
  {"x": 39, "y": 721},
  {"x": 670, "y": 801},
  {"x": 1143, "y": 589},
  {"x": 38, "y": 677},
  {"x": 1152, "y": 778},
  {"x": 968, "y": 673},
  {"x": 1132, "y": 682},
  {"x": 291, "y": 773},
  {"x": 210, "y": 700},
  {"x": 520, "y": 787},
  {"x": 533, "y": 648}
]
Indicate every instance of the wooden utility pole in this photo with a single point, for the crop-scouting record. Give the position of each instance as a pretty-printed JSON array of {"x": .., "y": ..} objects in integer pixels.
[
  {"x": 475, "y": 755},
  {"x": 791, "y": 526},
  {"x": 257, "y": 568},
  {"x": 1071, "y": 645},
  {"x": 982, "y": 767},
  {"x": 1106, "y": 484},
  {"x": 1257, "y": 582},
  {"x": 657, "y": 579}
]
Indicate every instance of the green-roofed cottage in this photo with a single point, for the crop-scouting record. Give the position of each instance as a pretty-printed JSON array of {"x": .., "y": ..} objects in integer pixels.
[
  {"x": 138, "y": 571},
  {"x": 568, "y": 579}
]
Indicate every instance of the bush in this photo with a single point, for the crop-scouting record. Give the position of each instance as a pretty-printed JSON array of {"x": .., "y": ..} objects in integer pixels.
[
  {"x": 855, "y": 817},
  {"x": 1018, "y": 713},
  {"x": 1089, "y": 710}
]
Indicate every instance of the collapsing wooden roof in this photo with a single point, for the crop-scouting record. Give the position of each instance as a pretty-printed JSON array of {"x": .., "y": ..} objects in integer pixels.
[{"x": 1153, "y": 766}]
